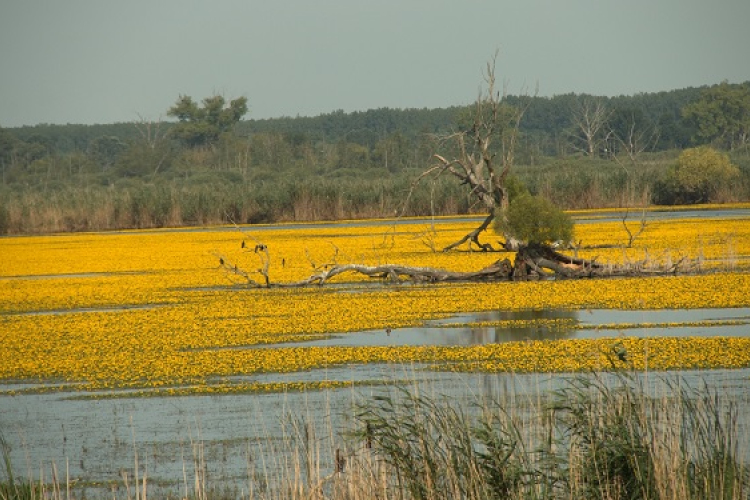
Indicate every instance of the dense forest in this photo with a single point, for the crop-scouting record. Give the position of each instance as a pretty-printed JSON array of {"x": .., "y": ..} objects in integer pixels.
[{"x": 206, "y": 164}]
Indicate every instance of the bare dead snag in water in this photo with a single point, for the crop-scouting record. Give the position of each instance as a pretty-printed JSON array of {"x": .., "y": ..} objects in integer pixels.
[
  {"x": 478, "y": 162},
  {"x": 641, "y": 228},
  {"x": 260, "y": 249},
  {"x": 473, "y": 237}
]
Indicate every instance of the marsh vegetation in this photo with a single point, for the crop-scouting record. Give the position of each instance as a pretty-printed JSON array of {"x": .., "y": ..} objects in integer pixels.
[{"x": 252, "y": 392}]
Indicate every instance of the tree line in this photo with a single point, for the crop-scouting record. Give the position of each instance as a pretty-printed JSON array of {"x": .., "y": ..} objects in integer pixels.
[{"x": 206, "y": 164}]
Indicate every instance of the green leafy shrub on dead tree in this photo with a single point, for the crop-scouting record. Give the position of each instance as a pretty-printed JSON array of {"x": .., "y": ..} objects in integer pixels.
[{"x": 534, "y": 219}]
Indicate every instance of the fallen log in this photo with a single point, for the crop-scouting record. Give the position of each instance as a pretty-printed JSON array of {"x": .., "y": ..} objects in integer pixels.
[{"x": 532, "y": 262}]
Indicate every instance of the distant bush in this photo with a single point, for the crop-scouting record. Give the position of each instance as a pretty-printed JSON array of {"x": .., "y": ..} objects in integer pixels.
[{"x": 700, "y": 175}]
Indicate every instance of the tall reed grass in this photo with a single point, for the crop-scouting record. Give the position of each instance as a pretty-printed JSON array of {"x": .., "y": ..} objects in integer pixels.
[
  {"x": 146, "y": 205},
  {"x": 600, "y": 436},
  {"x": 279, "y": 194}
]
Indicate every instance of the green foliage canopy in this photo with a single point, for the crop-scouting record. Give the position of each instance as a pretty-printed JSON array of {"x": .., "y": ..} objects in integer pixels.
[
  {"x": 202, "y": 126},
  {"x": 722, "y": 114},
  {"x": 534, "y": 219},
  {"x": 105, "y": 150}
]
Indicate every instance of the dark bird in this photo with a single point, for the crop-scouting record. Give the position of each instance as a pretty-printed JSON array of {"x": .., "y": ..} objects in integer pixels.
[
  {"x": 621, "y": 352},
  {"x": 221, "y": 261},
  {"x": 340, "y": 461},
  {"x": 243, "y": 243},
  {"x": 368, "y": 436}
]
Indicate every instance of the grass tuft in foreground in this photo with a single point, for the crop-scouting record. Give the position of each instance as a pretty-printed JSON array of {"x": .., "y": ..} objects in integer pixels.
[
  {"x": 596, "y": 437},
  {"x": 11, "y": 487}
]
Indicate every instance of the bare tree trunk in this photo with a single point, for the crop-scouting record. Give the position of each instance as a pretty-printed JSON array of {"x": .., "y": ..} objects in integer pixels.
[{"x": 476, "y": 164}]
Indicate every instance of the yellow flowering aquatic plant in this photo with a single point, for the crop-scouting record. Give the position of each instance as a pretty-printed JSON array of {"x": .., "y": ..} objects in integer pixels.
[{"x": 154, "y": 310}]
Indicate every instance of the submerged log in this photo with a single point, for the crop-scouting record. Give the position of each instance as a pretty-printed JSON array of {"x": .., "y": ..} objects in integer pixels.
[{"x": 499, "y": 270}]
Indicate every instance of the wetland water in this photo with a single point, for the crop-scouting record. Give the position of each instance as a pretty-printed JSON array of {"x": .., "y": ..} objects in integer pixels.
[
  {"x": 237, "y": 441},
  {"x": 552, "y": 324},
  {"x": 593, "y": 216}
]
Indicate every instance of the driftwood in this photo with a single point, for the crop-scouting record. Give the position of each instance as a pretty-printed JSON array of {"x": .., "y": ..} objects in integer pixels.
[{"x": 532, "y": 262}]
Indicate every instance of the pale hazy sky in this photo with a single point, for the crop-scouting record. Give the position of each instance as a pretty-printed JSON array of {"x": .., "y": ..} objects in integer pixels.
[{"x": 102, "y": 61}]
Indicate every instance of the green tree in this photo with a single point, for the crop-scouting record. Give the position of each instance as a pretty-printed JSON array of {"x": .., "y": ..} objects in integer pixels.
[
  {"x": 142, "y": 159},
  {"x": 202, "y": 126},
  {"x": 534, "y": 219},
  {"x": 4, "y": 219},
  {"x": 722, "y": 114},
  {"x": 105, "y": 149},
  {"x": 701, "y": 175}
]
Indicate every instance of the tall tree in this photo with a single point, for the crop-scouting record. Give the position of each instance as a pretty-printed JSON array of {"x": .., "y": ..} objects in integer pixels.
[
  {"x": 722, "y": 114},
  {"x": 590, "y": 115},
  {"x": 631, "y": 131},
  {"x": 202, "y": 126}
]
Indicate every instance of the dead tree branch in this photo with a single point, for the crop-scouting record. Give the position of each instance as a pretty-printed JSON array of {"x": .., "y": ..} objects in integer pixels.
[
  {"x": 642, "y": 226},
  {"x": 590, "y": 116},
  {"x": 260, "y": 249}
]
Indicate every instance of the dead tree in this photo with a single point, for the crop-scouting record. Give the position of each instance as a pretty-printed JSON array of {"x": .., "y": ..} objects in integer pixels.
[
  {"x": 590, "y": 116},
  {"x": 482, "y": 156},
  {"x": 633, "y": 136}
]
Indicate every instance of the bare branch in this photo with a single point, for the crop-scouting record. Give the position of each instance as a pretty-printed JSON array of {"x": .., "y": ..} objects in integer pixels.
[
  {"x": 260, "y": 249},
  {"x": 473, "y": 237},
  {"x": 642, "y": 227},
  {"x": 590, "y": 116}
]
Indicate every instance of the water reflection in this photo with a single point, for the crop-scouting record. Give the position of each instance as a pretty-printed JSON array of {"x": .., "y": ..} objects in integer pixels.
[
  {"x": 549, "y": 324},
  {"x": 546, "y": 324}
]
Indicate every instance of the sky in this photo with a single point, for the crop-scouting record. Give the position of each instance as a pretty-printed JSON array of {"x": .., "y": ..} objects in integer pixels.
[{"x": 106, "y": 61}]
